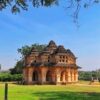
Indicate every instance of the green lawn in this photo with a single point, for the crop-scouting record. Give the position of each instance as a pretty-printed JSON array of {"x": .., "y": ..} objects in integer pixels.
[{"x": 51, "y": 92}]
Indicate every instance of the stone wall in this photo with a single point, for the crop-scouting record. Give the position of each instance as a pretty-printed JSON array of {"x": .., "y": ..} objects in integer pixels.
[{"x": 50, "y": 75}]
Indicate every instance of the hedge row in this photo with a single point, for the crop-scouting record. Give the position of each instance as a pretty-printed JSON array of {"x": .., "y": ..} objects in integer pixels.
[{"x": 9, "y": 77}]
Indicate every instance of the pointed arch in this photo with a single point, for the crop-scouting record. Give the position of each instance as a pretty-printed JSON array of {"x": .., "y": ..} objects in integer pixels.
[
  {"x": 63, "y": 76},
  {"x": 49, "y": 76},
  {"x": 35, "y": 76}
]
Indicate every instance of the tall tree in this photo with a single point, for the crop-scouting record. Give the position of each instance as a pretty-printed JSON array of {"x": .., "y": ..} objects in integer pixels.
[
  {"x": 17, "y": 68},
  {"x": 25, "y": 50}
]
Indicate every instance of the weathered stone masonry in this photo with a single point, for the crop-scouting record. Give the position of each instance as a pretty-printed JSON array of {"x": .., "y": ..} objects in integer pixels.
[{"x": 54, "y": 65}]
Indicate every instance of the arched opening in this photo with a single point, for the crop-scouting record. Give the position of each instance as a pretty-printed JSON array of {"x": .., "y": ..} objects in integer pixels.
[
  {"x": 35, "y": 76},
  {"x": 49, "y": 76},
  {"x": 63, "y": 76}
]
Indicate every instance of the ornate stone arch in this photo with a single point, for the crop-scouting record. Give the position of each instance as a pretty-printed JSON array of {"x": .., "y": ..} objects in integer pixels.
[
  {"x": 49, "y": 76},
  {"x": 35, "y": 76}
]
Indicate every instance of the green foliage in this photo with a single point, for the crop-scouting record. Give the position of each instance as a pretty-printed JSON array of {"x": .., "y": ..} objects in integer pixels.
[
  {"x": 16, "y": 5},
  {"x": 74, "y": 6},
  {"x": 18, "y": 68},
  {"x": 25, "y": 50},
  {"x": 87, "y": 75},
  {"x": 38, "y": 46},
  {"x": 6, "y": 76}
]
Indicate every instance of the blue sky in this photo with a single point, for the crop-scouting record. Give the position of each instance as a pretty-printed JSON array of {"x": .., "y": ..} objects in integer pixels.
[{"x": 40, "y": 25}]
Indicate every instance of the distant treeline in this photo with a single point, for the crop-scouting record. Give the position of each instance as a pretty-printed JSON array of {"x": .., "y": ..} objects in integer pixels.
[{"x": 89, "y": 75}]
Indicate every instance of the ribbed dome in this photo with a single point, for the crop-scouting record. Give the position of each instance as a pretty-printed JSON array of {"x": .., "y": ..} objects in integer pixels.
[
  {"x": 70, "y": 53},
  {"x": 52, "y": 44},
  {"x": 60, "y": 49}
]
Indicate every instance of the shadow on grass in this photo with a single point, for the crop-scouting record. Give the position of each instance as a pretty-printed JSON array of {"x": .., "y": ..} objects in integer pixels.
[{"x": 64, "y": 95}]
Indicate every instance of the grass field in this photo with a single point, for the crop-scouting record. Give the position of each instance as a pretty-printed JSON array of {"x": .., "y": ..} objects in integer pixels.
[{"x": 51, "y": 92}]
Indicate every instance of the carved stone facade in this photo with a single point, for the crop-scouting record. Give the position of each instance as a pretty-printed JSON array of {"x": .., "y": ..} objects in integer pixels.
[{"x": 54, "y": 65}]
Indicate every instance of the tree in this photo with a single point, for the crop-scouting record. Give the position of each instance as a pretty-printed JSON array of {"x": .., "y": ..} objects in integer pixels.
[
  {"x": 18, "y": 68},
  {"x": 16, "y": 5},
  {"x": 25, "y": 50},
  {"x": 85, "y": 75},
  {"x": 6, "y": 76},
  {"x": 88, "y": 75},
  {"x": 75, "y": 5}
]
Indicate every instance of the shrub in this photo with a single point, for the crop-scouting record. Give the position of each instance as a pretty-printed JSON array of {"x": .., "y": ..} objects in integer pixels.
[{"x": 9, "y": 77}]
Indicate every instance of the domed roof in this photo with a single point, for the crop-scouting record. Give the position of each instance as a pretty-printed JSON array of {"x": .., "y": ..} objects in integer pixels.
[
  {"x": 52, "y": 44},
  {"x": 69, "y": 52},
  {"x": 60, "y": 49}
]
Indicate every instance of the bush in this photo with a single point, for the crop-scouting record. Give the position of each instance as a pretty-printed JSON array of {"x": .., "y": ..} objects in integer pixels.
[
  {"x": 9, "y": 77},
  {"x": 85, "y": 75}
]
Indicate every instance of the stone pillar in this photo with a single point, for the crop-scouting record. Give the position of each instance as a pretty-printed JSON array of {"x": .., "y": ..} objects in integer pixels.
[
  {"x": 76, "y": 75},
  {"x": 30, "y": 74},
  {"x": 58, "y": 76},
  {"x": 73, "y": 75},
  {"x": 64, "y": 77},
  {"x": 53, "y": 77},
  {"x": 25, "y": 74},
  {"x": 43, "y": 75},
  {"x": 69, "y": 75}
]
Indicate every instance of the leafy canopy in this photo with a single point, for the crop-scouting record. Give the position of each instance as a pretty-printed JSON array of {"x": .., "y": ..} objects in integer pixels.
[
  {"x": 16, "y": 5},
  {"x": 25, "y": 50}
]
